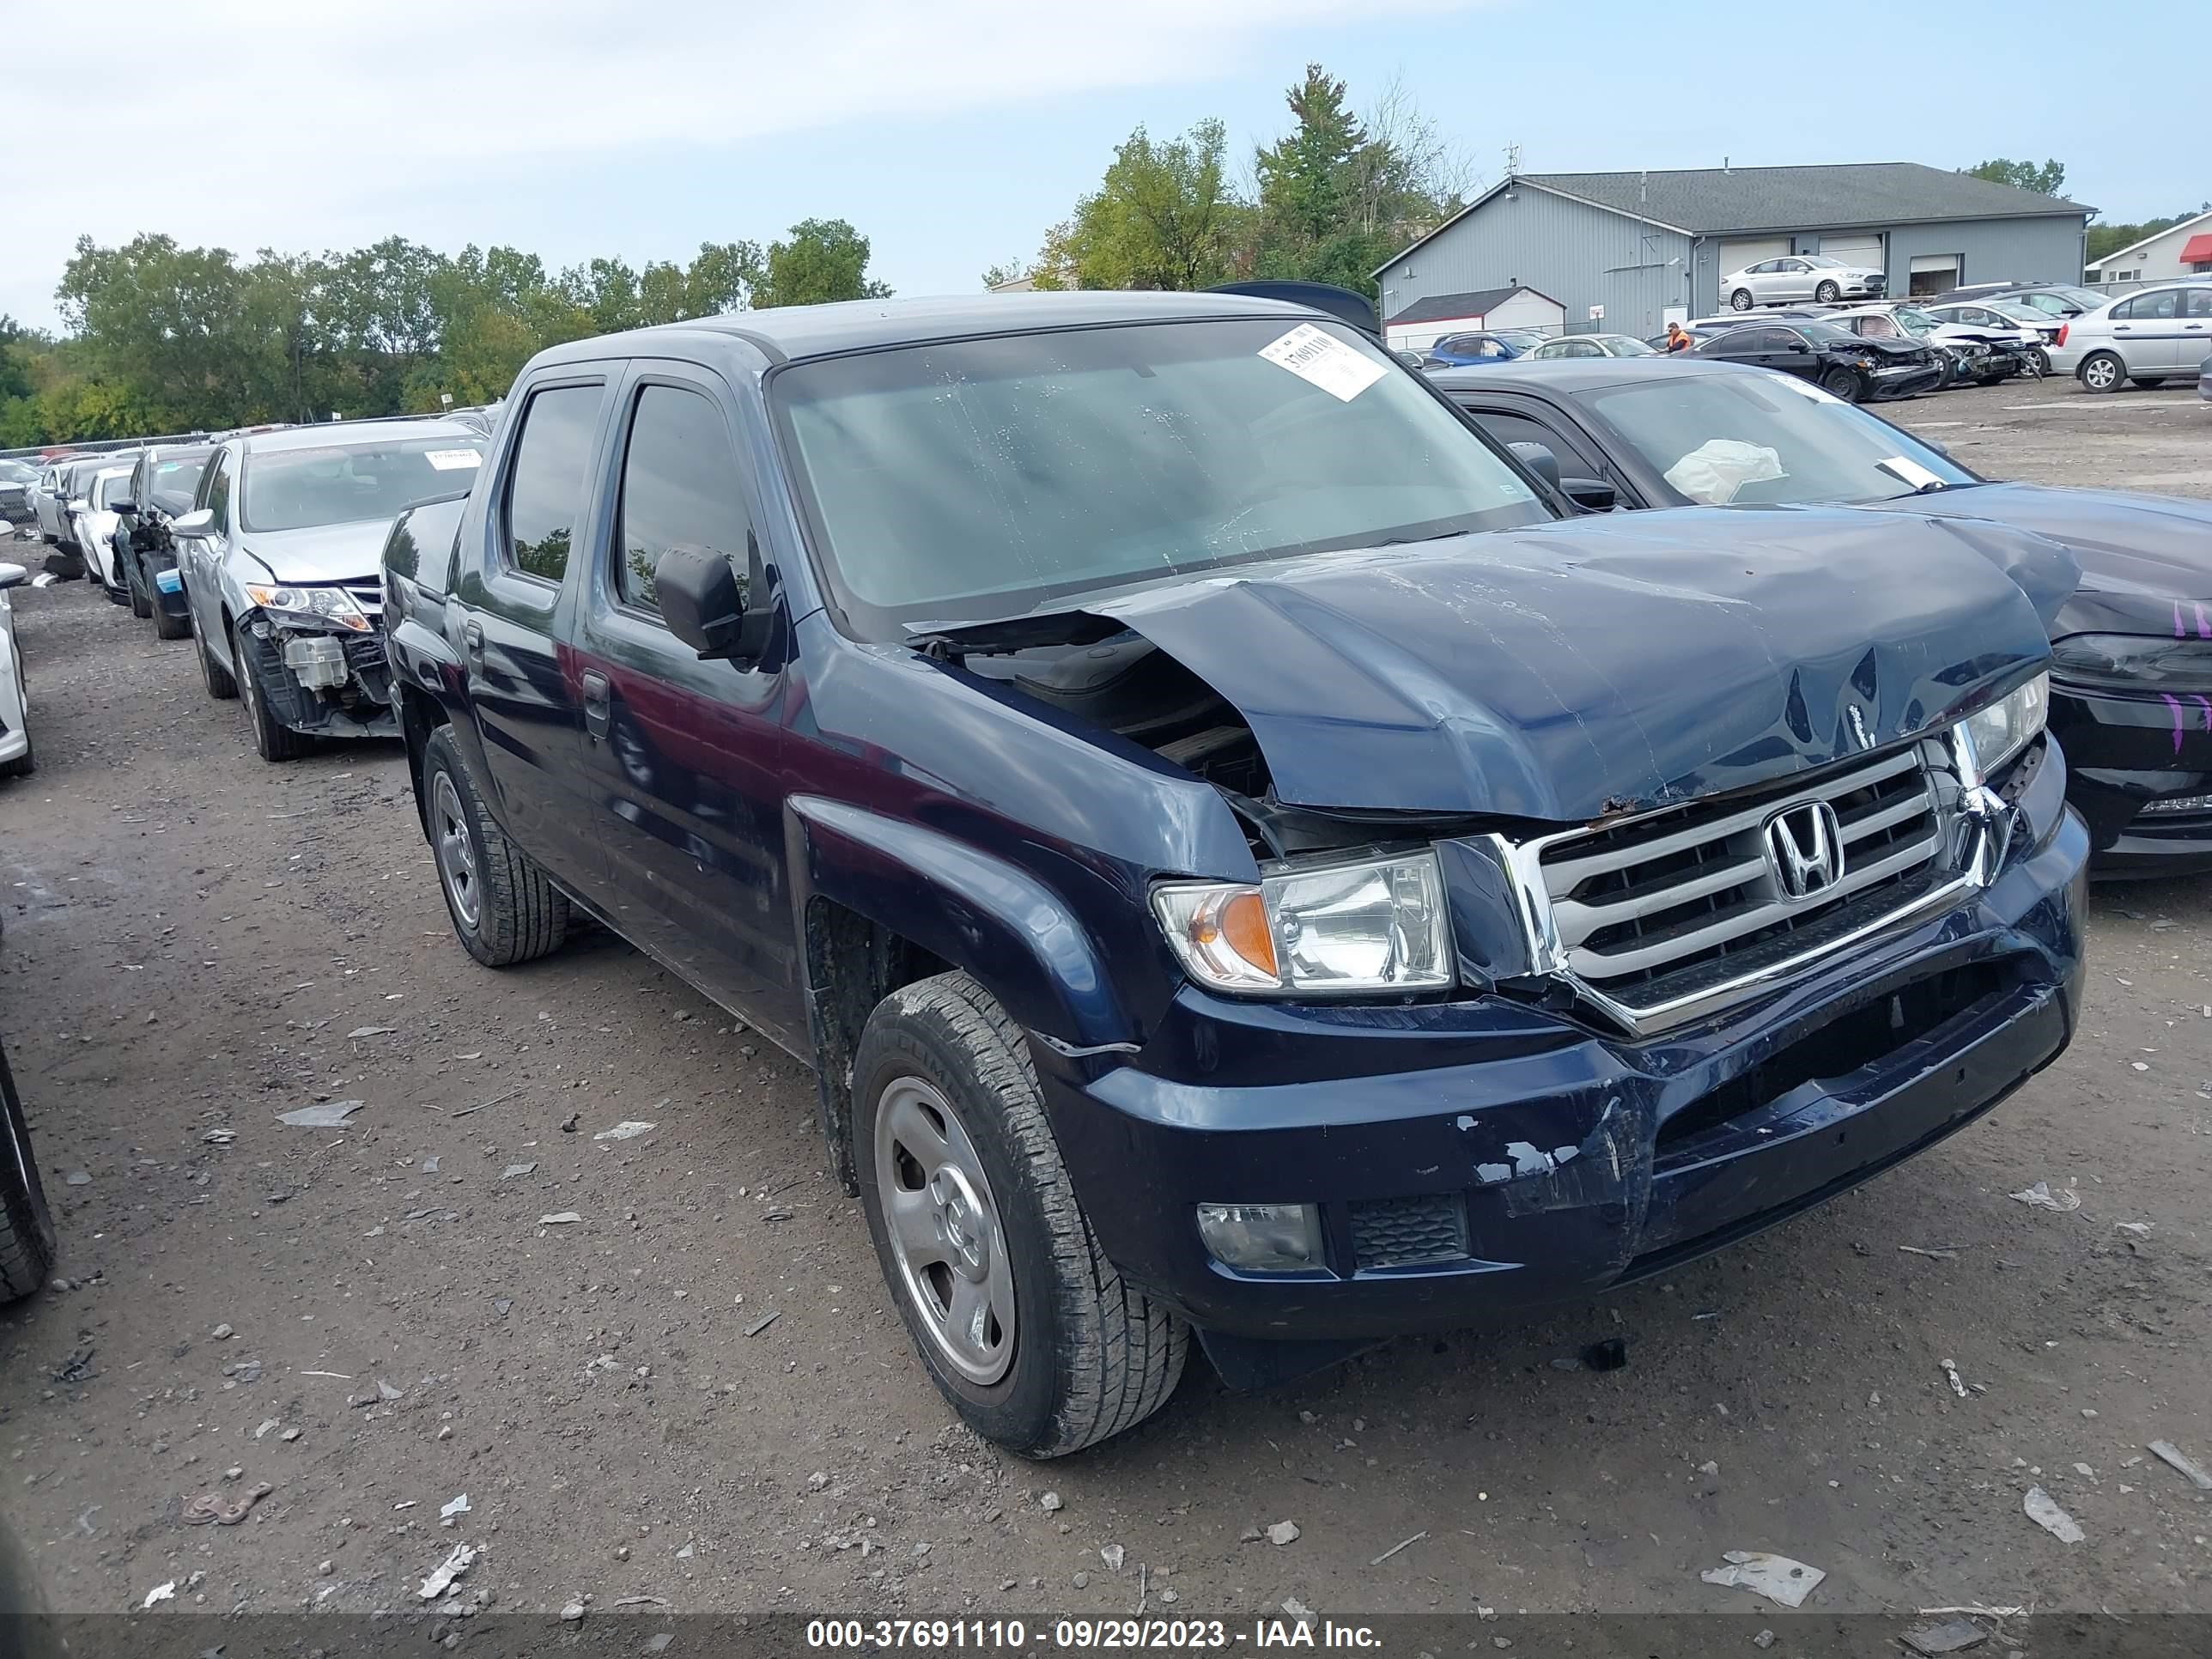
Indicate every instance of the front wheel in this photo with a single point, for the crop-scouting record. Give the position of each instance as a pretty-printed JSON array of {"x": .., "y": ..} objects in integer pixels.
[
  {"x": 1827, "y": 293},
  {"x": 2038, "y": 363},
  {"x": 1740, "y": 300},
  {"x": 135, "y": 584},
  {"x": 2102, "y": 371},
  {"x": 27, "y": 1226},
  {"x": 505, "y": 909},
  {"x": 273, "y": 740},
  {"x": 1842, "y": 384},
  {"x": 1026, "y": 1327}
]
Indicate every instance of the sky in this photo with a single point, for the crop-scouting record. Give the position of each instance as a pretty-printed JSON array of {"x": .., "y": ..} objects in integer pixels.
[{"x": 953, "y": 134}]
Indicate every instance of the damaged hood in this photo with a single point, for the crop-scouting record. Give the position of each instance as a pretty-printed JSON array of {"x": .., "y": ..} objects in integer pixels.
[
  {"x": 2146, "y": 560},
  {"x": 321, "y": 553},
  {"x": 1611, "y": 663}
]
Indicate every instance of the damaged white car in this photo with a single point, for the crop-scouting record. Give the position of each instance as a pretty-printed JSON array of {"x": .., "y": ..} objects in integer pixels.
[{"x": 278, "y": 557}]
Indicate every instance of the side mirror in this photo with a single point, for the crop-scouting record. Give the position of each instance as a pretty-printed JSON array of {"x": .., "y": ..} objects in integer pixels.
[
  {"x": 123, "y": 507},
  {"x": 81, "y": 504},
  {"x": 704, "y": 606},
  {"x": 1540, "y": 461},
  {"x": 195, "y": 526},
  {"x": 1413, "y": 359},
  {"x": 1930, "y": 443},
  {"x": 13, "y": 575},
  {"x": 1596, "y": 493}
]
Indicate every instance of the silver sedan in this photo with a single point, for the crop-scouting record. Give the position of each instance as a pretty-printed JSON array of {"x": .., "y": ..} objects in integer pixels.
[
  {"x": 1797, "y": 276},
  {"x": 1589, "y": 345}
]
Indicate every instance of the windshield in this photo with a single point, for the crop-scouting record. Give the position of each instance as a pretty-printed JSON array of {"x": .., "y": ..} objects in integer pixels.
[
  {"x": 1522, "y": 338},
  {"x": 108, "y": 487},
  {"x": 174, "y": 483},
  {"x": 1726, "y": 438},
  {"x": 978, "y": 479},
  {"x": 335, "y": 483},
  {"x": 1918, "y": 321},
  {"x": 1623, "y": 345},
  {"x": 2019, "y": 313},
  {"x": 16, "y": 473},
  {"x": 1830, "y": 333},
  {"x": 1824, "y": 262}
]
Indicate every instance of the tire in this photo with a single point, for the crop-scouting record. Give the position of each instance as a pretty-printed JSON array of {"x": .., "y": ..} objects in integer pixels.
[
  {"x": 166, "y": 627},
  {"x": 1088, "y": 1354},
  {"x": 2038, "y": 363},
  {"x": 219, "y": 683},
  {"x": 273, "y": 740},
  {"x": 23, "y": 764},
  {"x": 2147, "y": 382},
  {"x": 1826, "y": 294},
  {"x": 26, "y": 1225},
  {"x": 134, "y": 579},
  {"x": 508, "y": 910},
  {"x": 1740, "y": 300},
  {"x": 1841, "y": 383},
  {"x": 2102, "y": 371}
]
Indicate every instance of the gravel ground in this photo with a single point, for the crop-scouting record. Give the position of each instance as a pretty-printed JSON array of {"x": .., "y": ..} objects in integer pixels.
[{"x": 371, "y": 1323}]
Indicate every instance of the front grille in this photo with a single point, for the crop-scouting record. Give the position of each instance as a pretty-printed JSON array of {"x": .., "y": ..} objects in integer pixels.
[
  {"x": 368, "y": 593},
  {"x": 1404, "y": 1232},
  {"x": 1673, "y": 903}
]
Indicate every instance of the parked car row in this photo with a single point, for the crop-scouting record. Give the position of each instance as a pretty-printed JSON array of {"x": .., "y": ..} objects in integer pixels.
[{"x": 1264, "y": 850}]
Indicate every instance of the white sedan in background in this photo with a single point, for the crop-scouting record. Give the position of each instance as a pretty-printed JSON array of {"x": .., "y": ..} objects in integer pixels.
[
  {"x": 1588, "y": 345},
  {"x": 1799, "y": 276},
  {"x": 95, "y": 521},
  {"x": 17, "y": 759}
]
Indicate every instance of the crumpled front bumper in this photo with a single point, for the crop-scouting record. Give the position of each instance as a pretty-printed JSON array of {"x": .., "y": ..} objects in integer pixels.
[
  {"x": 1478, "y": 1158},
  {"x": 361, "y": 707}
]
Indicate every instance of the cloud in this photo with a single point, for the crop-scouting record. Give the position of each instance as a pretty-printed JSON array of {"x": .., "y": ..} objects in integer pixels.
[{"x": 292, "y": 125}]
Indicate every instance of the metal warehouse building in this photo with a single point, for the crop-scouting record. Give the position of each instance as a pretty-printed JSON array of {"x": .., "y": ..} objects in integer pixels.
[{"x": 1652, "y": 246}]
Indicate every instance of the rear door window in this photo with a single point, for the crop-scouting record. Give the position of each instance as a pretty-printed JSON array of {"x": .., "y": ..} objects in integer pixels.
[
  {"x": 679, "y": 489},
  {"x": 548, "y": 482},
  {"x": 1510, "y": 427}
]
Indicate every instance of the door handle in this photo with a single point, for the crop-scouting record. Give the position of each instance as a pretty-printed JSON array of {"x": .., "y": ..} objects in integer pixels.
[
  {"x": 599, "y": 704},
  {"x": 473, "y": 641}
]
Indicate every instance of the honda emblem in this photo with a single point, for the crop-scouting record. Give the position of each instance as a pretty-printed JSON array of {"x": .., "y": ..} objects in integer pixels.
[{"x": 1805, "y": 849}]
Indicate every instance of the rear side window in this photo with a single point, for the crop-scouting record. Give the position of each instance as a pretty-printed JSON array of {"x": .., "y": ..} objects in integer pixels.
[
  {"x": 545, "y": 491},
  {"x": 679, "y": 489},
  {"x": 2200, "y": 303},
  {"x": 2149, "y": 307}
]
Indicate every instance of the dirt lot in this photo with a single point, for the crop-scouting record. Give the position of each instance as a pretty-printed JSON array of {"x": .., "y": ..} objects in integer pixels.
[{"x": 372, "y": 1322}]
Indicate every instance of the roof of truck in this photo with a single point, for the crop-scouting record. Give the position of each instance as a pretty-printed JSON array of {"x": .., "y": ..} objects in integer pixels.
[{"x": 794, "y": 332}]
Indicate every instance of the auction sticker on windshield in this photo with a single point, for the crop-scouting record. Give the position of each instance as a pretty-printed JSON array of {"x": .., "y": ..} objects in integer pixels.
[
  {"x": 1322, "y": 360},
  {"x": 451, "y": 461}
]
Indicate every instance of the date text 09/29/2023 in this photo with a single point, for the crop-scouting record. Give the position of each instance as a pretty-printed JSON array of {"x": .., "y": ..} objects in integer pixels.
[{"x": 940, "y": 1635}]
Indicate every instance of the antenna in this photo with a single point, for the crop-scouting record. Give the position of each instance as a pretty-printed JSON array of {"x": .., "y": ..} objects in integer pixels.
[
  {"x": 1512, "y": 160},
  {"x": 1643, "y": 184}
]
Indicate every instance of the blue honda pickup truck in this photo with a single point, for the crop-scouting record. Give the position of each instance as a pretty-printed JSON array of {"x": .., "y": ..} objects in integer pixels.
[{"x": 1246, "y": 858}]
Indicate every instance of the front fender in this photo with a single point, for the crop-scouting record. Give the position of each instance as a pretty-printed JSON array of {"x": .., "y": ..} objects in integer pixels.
[{"x": 1019, "y": 940}]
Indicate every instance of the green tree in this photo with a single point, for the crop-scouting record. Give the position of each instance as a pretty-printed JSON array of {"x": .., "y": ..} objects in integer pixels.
[
  {"x": 1306, "y": 179},
  {"x": 1165, "y": 215},
  {"x": 1010, "y": 270},
  {"x": 2044, "y": 181},
  {"x": 825, "y": 260}
]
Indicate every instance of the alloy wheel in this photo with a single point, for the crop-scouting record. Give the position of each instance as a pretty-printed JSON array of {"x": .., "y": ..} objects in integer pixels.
[{"x": 945, "y": 1230}]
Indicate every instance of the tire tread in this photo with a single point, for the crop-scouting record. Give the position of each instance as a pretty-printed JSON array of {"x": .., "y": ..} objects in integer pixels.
[
  {"x": 522, "y": 915},
  {"x": 1126, "y": 1351}
]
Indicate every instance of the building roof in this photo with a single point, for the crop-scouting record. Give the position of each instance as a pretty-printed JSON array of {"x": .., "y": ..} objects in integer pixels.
[
  {"x": 1721, "y": 200},
  {"x": 1451, "y": 307},
  {"x": 2130, "y": 252}
]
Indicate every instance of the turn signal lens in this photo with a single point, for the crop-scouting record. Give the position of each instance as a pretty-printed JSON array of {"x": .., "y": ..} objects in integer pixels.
[{"x": 1369, "y": 924}]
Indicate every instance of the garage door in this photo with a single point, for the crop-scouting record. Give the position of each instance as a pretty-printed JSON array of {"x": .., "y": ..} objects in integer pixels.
[
  {"x": 1934, "y": 273},
  {"x": 1854, "y": 251},
  {"x": 1737, "y": 251}
]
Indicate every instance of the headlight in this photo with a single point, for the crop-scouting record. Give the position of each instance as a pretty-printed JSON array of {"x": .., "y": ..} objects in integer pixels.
[
  {"x": 2134, "y": 661},
  {"x": 1997, "y": 733},
  {"x": 1375, "y": 925},
  {"x": 331, "y": 607}
]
